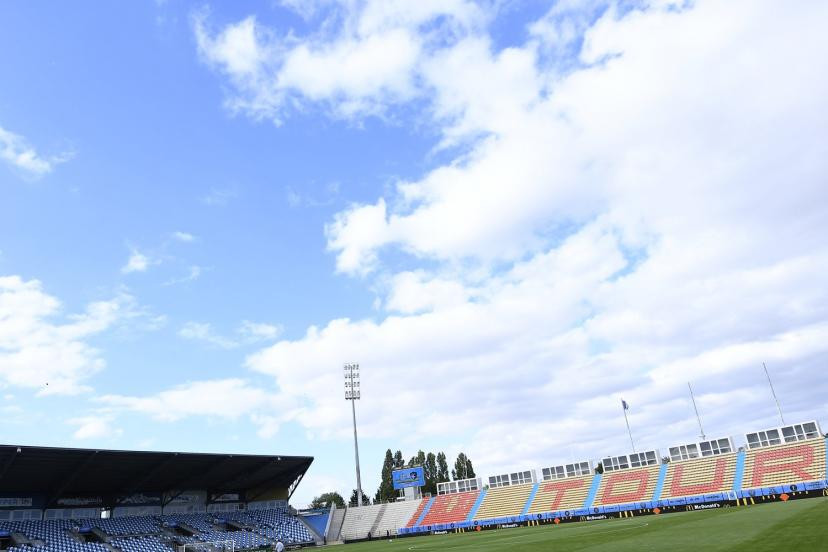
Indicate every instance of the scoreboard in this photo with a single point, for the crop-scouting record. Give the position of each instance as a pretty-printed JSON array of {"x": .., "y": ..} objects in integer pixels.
[{"x": 408, "y": 477}]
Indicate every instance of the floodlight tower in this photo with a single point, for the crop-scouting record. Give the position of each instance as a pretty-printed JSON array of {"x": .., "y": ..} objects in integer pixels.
[{"x": 352, "y": 394}]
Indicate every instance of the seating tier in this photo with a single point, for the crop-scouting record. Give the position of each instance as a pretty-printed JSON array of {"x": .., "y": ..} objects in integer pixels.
[
  {"x": 700, "y": 476},
  {"x": 451, "y": 508},
  {"x": 626, "y": 486},
  {"x": 504, "y": 501},
  {"x": 784, "y": 464},
  {"x": 561, "y": 494}
]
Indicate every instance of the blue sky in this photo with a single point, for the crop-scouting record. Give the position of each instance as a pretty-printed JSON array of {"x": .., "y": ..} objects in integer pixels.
[{"x": 511, "y": 214}]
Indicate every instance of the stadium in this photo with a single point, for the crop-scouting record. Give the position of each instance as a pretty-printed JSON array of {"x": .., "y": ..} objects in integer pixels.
[
  {"x": 75, "y": 500},
  {"x": 537, "y": 224}
]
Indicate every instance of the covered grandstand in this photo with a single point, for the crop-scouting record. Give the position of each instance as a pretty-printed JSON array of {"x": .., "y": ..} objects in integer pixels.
[{"x": 78, "y": 500}]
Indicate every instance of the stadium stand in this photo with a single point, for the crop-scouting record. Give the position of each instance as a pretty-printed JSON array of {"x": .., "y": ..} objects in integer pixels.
[
  {"x": 317, "y": 520},
  {"x": 627, "y": 486},
  {"x": 700, "y": 476},
  {"x": 273, "y": 524},
  {"x": 256, "y": 528},
  {"x": 450, "y": 508},
  {"x": 140, "y": 544},
  {"x": 51, "y": 536},
  {"x": 418, "y": 513},
  {"x": 359, "y": 521},
  {"x": 137, "y": 525},
  {"x": 785, "y": 464},
  {"x": 337, "y": 519},
  {"x": 561, "y": 494},
  {"x": 63, "y": 500},
  {"x": 397, "y": 515},
  {"x": 504, "y": 501}
]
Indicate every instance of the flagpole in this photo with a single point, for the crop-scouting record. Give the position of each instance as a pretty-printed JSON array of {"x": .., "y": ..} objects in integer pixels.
[
  {"x": 693, "y": 398},
  {"x": 778, "y": 407},
  {"x": 627, "y": 421}
]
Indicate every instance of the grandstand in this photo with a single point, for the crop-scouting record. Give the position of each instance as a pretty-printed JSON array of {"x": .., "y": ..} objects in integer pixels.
[
  {"x": 628, "y": 478},
  {"x": 561, "y": 494},
  {"x": 359, "y": 521},
  {"x": 75, "y": 500},
  {"x": 504, "y": 501},
  {"x": 450, "y": 508},
  {"x": 775, "y": 464},
  {"x": 78, "y": 500},
  {"x": 700, "y": 468},
  {"x": 396, "y": 516},
  {"x": 379, "y": 520}
]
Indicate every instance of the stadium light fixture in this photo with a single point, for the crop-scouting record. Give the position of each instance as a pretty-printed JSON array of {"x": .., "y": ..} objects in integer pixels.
[{"x": 352, "y": 394}]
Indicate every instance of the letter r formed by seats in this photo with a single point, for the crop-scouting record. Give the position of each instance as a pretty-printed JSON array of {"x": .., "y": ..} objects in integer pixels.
[{"x": 794, "y": 461}]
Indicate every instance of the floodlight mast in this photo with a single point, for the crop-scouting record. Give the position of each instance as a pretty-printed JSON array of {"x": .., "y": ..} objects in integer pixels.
[{"x": 352, "y": 394}]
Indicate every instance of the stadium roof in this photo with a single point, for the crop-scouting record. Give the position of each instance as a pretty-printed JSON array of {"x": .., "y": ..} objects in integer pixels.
[{"x": 64, "y": 472}]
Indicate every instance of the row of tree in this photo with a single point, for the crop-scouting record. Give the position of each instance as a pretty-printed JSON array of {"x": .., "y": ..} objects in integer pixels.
[{"x": 435, "y": 468}]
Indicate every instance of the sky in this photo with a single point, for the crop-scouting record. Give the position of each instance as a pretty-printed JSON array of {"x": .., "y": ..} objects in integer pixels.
[{"x": 511, "y": 214}]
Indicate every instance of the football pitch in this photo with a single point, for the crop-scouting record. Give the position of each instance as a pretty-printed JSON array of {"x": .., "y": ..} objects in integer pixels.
[{"x": 794, "y": 525}]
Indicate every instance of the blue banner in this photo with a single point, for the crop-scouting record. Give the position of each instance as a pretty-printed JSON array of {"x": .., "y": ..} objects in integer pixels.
[{"x": 408, "y": 477}]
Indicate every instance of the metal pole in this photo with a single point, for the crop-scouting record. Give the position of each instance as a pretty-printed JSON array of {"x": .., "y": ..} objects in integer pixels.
[
  {"x": 778, "y": 407},
  {"x": 693, "y": 398},
  {"x": 628, "y": 430},
  {"x": 356, "y": 455}
]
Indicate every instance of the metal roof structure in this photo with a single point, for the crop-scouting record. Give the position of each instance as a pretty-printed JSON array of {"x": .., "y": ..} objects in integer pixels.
[{"x": 55, "y": 473}]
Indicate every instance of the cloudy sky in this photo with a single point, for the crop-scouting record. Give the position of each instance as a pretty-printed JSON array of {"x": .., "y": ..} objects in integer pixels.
[{"x": 511, "y": 214}]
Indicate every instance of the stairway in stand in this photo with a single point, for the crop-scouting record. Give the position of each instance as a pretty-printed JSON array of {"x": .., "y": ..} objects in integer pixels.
[
  {"x": 336, "y": 525},
  {"x": 377, "y": 522}
]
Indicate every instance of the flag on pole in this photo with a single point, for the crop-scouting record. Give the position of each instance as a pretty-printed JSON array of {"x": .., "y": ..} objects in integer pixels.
[{"x": 625, "y": 405}]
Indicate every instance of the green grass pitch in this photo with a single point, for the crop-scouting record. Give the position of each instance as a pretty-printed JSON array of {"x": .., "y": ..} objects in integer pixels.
[{"x": 794, "y": 525}]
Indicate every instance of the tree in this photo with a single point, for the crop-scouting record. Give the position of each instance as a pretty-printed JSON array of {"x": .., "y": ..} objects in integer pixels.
[
  {"x": 442, "y": 468},
  {"x": 365, "y": 500},
  {"x": 385, "y": 491},
  {"x": 463, "y": 468},
  {"x": 418, "y": 460},
  {"x": 430, "y": 468},
  {"x": 599, "y": 469},
  {"x": 398, "y": 460},
  {"x": 326, "y": 499}
]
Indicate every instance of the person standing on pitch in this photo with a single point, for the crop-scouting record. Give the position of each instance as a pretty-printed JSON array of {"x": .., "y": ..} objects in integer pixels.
[{"x": 279, "y": 546}]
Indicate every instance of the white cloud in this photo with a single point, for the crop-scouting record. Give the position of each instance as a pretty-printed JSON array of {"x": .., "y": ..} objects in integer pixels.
[
  {"x": 137, "y": 262},
  {"x": 259, "y": 331},
  {"x": 219, "y": 197},
  {"x": 194, "y": 273},
  {"x": 568, "y": 149},
  {"x": 15, "y": 151},
  {"x": 356, "y": 66},
  {"x": 94, "y": 427},
  {"x": 357, "y": 234},
  {"x": 227, "y": 399},
  {"x": 185, "y": 237},
  {"x": 647, "y": 211},
  {"x": 223, "y": 398},
  {"x": 247, "y": 333},
  {"x": 413, "y": 292},
  {"x": 202, "y": 331},
  {"x": 52, "y": 358}
]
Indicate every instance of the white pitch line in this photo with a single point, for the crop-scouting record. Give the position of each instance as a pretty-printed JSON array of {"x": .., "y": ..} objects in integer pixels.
[{"x": 523, "y": 537}]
